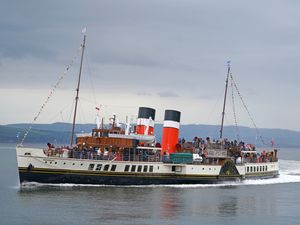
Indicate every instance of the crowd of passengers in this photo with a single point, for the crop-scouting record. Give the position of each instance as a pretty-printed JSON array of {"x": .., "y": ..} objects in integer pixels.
[
  {"x": 198, "y": 145},
  {"x": 203, "y": 143},
  {"x": 84, "y": 152},
  {"x": 237, "y": 149}
]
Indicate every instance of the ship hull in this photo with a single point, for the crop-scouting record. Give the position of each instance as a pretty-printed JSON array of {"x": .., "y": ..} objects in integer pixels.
[
  {"x": 67, "y": 177},
  {"x": 56, "y": 177},
  {"x": 35, "y": 166}
]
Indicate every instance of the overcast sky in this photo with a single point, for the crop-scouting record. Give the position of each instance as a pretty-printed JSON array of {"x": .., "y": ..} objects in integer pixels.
[{"x": 164, "y": 54}]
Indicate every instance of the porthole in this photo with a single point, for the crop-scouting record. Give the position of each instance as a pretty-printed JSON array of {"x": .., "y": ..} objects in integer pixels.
[
  {"x": 151, "y": 169},
  {"x": 113, "y": 167},
  {"x": 133, "y": 168},
  {"x": 139, "y": 168},
  {"x": 126, "y": 168},
  {"x": 91, "y": 166},
  {"x": 173, "y": 168},
  {"x": 99, "y": 166},
  {"x": 106, "y": 167},
  {"x": 145, "y": 169}
]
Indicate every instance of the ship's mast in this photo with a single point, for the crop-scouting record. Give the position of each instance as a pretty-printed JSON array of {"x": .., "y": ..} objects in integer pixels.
[
  {"x": 77, "y": 90},
  {"x": 224, "y": 104}
]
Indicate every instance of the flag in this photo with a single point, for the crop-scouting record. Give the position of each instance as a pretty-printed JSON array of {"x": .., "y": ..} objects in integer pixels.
[{"x": 84, "y": 30}]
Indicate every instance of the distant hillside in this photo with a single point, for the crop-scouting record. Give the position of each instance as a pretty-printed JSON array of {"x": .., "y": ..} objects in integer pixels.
[{"x": 60, "y": 133}]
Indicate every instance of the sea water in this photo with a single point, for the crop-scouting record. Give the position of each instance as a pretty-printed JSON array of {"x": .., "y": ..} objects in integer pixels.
[{"x": 272, "y": 201}]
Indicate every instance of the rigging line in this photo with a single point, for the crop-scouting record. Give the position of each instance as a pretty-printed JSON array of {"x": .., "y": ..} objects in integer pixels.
[
  {"x": 247, "y": 110},
  {"x": 56, "y": 85},
  {"x": 234, "y": 111},
  {"x": 59, "y": 114},
  {"x": 212, "y": 112}
]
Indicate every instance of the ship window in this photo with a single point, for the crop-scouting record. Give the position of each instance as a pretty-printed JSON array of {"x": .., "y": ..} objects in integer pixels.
[
  {"x": 133, "y": 168},
  {"x": 50, "y": 162},
  {"x": 64, "y": 163},
  {"x": 113, "y": 167},
  {"x": 139, "y": 168},
  {"x": 27, "y": 153},
  {"x": 151, "y": 169},
  {"x": 254, "y": 168},
  {"x": 145, "y": 169},
  {"x": 247, "y": 169},
  {"x": 99, "y": 166},
  {"x": 55, "y": 162},
  {"x": 251, "y": 169},
  {"x": 106, "y": 167},
  {"x": 173, "y": 168},
  {"x": 81, "y": 164},
  {"x": 91, "y": 166},
  {"x": 126, "y": 168},
  {"x": 266, "y": 168},
  {"x": 73, "y": 164},
  {"x": 260, "y": 168}
]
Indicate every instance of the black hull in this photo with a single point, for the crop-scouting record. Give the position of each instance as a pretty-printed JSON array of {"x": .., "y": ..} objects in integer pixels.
[
  {"x": 117, "y": 179},
  {"x": 60, "y": 177}
]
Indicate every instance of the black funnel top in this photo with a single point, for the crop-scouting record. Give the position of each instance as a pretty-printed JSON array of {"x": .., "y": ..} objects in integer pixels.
[
  {"x": 145, "y": 113},
  {"x": 172, "y": 115}
]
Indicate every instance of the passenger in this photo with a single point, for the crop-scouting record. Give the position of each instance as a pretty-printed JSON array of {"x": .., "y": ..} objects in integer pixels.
[
  {"x": 207, "y": 140},
  {"x": 105, "y": 155},
  {"x": 165, "y": 157}
]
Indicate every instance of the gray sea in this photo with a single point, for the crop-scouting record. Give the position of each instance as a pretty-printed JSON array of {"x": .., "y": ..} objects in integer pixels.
[{"x": 273, "y": 201}]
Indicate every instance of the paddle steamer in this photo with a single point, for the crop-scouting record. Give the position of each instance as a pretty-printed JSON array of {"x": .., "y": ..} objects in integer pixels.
[{"x": 117, "y": 155}]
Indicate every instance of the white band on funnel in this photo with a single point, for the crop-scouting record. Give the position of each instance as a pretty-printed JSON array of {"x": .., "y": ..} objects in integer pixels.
[
  {"x": 170, "y": 123},
  {"x": 145, "y": 122}
]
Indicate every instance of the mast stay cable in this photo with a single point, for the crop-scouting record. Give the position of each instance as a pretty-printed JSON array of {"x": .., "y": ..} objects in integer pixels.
[
  {"x": 233, "y": 108},
  {"x": 56, "y": 85},
  {"x": 247, "y": 110}
]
